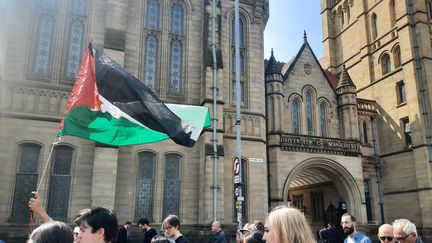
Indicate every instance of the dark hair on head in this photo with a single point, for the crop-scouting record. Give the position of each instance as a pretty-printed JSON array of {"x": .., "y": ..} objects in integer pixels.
[
  {"x": 254, "y": 237},
  {"x": 160, "y": 239},
  {"x": 102, "y": 218},
  {"x": 78, "y": 217},
  {"x": 172, "y": 220},
  {"x": 143, "y": 221},
  {"x": 52, "y": 232},
  {"x": 259, "y": 225},
  {"x": 127, "y": 222},
  {"x": 351, "y": 216}
]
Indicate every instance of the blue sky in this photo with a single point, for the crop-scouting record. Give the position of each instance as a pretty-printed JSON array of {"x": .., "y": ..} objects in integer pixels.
[{"x": 284, "y": 31}]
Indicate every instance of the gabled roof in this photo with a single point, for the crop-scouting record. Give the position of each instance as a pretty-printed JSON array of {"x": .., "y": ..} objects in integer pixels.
[{"x": 333, "y": 80}]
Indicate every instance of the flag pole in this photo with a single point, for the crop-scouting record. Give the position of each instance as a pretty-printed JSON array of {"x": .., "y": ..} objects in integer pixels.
[
  {"x": 238, "y": 115},
  {"x": 47, "y": 162}
]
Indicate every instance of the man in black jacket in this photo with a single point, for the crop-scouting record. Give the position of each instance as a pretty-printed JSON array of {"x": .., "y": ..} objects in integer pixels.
[
  {"x": 122, "y": 233},
  {"x": 149, "y": 232}
]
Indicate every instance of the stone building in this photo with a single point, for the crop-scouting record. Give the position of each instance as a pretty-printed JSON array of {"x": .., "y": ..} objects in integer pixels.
[
  {"x": 389, "y": 61},
  {"x": 317, "y": 159},
  {"x": 164, "y": 43},
  {"x": 346, "y": 133}
]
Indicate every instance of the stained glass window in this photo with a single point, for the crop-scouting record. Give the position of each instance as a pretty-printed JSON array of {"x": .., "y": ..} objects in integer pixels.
[
  {"x": 296, "y": 116},
  {"x": 242, "y": 62},
  {"x": 323, "y": 119},
  {"x": 26, "y": 178},
  {"x": 58, "y": 201},
  {"x": 75, "y": 42},
  {"x": 79, "y": 7},
  {"x": 145, "y": 186},
  {"x": 48, "y": 4},
  {"x": 176, "y": 62},
  {"x": 242, "y": 91},
  {"x": 171, "y": 199},
  {"x": 177, "y": 18},
  {"x": 42, "y": 62},
  {"x": 241, "y": 32},
  {"x": 150, "y": 61},
  {"x": 153, "y": 14},
  {"x": 309, "y": 115}
]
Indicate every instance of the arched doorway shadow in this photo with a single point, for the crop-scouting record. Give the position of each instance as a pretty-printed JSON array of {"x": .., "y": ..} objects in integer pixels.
[{"x": 347, "y": 187}]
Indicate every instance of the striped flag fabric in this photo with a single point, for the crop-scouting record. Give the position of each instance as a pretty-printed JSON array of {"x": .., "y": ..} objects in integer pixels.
[{"x": 110, "y": 106}]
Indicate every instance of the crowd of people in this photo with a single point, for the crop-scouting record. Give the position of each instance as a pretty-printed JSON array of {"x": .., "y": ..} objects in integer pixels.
[{"x": 283, "y": 225}]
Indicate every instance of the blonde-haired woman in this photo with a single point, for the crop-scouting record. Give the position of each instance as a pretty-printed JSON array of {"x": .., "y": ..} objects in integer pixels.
[{"x": 287, "y": 225}]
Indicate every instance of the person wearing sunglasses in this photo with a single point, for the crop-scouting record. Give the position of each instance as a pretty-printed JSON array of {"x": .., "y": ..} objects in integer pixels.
[
  {"x": 405, "y": 232},
  {"x": 385, "y": 233}
]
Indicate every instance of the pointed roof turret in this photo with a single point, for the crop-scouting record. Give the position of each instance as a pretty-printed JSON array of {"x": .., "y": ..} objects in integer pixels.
[
  {"x": 272, "y": 66},
  {"x": 345, "y": 79}
]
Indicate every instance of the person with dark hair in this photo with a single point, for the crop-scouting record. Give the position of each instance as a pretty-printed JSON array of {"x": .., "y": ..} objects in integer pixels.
[
  {"x": 259, "y": 226},
  {"x": 254, "y": 237},
  {"x": 349, "y": 223},
  {"x": 171, "y": 228},
  {"x": 149, "y": 233},
  {"x": 122, "y": 233},
  {"x": 98, "y": 226},
  {"x": 52, "y": 232}
]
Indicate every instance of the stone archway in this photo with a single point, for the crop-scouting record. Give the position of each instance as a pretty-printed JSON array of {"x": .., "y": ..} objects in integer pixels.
[{"x": 343, "y": 180}]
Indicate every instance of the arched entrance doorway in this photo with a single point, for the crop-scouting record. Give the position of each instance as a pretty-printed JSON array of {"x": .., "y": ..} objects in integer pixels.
[{"x": 322, "y": 189}]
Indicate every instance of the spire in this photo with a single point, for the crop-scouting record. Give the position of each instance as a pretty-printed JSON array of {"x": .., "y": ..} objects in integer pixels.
[
  {"x": 304, "y": 36},
  {"x": 345, "y": 79},
  {"x": 272, "y": 65}
]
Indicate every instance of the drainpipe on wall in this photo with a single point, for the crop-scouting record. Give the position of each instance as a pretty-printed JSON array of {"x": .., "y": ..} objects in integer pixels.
[
  {"x": 420, "y": 80},
  {"x": 377, "y": 170}
]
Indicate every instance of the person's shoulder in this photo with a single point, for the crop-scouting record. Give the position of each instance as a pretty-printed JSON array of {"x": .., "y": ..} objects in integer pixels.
[{"x": 181, "y": 239}]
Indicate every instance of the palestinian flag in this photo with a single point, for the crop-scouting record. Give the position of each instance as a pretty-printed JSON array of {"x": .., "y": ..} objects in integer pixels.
[{"x": 110, "y": 106}]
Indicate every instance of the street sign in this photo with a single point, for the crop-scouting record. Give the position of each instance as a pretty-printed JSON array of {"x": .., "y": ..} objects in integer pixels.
[{"x": 236, "y": 166}]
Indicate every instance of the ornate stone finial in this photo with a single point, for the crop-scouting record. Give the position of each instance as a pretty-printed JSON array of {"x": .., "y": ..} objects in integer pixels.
[
  {"x": 305, "y": 36},
  {"x": 272, "y": 51}
]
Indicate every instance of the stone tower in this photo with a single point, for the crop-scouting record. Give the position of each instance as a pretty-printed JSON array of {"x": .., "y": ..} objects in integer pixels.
[
  {"x": 347, "y": 107},
  {"x": 274, "y": 95},
  {"x": 386, "y": 47}
]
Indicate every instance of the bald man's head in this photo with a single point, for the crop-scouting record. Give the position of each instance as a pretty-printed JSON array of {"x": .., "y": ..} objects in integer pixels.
[
  {"x": 216, "y": 226},
  {"x": 385, "y": 233}
]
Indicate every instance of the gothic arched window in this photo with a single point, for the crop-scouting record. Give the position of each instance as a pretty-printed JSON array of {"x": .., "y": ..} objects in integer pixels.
[
  {"x": 153, "y": 14},
  {"x": 177, "y": 17},
  {"x": 171, "y": 194},
  {"x": 323, "y": 119},
  {"x": 365, "y": 132},
  {"x": 44, "y": 41},
  {"x": 385, "y": 64},
  {"x": 374, "y": 24},
  {"x": 295, "y": 116},
  {"x": 241, "y": 31},
  {"x": 151, "y": 61},
  {"x": 392, "y": 10},
  {"x": 26, "y": 178},
  {"x": 75, "y": 48},
  {"x": 60, "y": 184},
  {"x": 145, "y": 186},
  {"x": 309, "y": 113},
  {"x": 176, "y": 63},
  {"x": 397, "y": 56}
]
